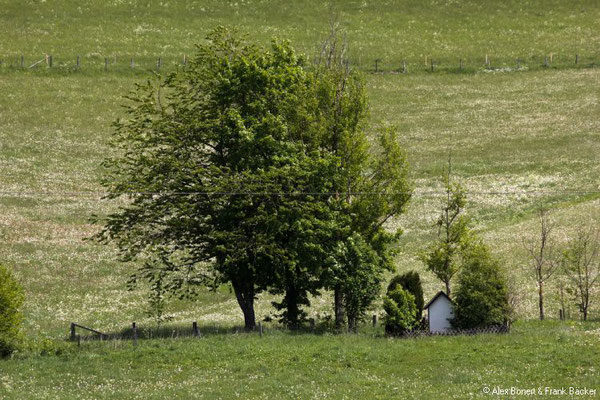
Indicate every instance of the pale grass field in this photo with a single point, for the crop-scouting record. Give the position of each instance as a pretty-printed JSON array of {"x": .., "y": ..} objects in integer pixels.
[
  {"x": 389, "y": 30},
  {"x": 526, "y": 131}
]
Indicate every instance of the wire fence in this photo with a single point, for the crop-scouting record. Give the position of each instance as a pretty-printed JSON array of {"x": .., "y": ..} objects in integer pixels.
[{"x": 375, "y": 65}]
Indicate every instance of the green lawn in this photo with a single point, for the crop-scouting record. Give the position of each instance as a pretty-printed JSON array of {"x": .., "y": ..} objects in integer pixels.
[{"x": 305, "y": 366}]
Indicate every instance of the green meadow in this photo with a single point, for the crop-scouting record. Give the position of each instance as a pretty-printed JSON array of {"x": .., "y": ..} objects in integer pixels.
[
  {"x": 519, "y": 138},
  {"x": 280, "y": 365}
]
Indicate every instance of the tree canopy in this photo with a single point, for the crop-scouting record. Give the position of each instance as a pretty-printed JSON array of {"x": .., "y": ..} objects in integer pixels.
[{"x": 242, "y": 169}]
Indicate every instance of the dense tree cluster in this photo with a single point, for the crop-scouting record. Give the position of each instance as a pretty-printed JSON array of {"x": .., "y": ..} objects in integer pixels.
[{"x": 252, "y": 167}]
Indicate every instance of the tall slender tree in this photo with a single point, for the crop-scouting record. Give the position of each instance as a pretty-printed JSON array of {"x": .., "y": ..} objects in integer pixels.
[
  {"x": 543, "y": 255},
  {"x": 443, "y": 257},
  {"x": 581, "y": 263},
  {"x": 371, "y": 184}
]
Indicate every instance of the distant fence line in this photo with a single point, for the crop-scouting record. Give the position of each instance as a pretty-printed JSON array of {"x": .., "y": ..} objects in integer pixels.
[
  {"x": 134, "y": 332},
  {"x": 397, "y": 65}
]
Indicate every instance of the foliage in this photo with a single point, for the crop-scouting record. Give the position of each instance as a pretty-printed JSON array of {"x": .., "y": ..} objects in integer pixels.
[
  {"x": 443, "y": 257},
  {"x": 157, "y": 294},
  {"x": 216, "y": 161},
  {"x": 11, "y": 317},
  {"x": 581, "y": 264},
  {"x": 372, "y": 184},
  {"x": 411, "y": 282},
  {"x": 401, "y": 311},
  {"x": 359, "y": 273},
  {"x": 482, "y": 296}
]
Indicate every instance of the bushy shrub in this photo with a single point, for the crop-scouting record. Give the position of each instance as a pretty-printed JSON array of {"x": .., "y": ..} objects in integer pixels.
[
  {"x": 482, "y": 295},
  {"x": 401, "y": 311},
  {"x": 411, "y": 282},
  {"x": 11, "y": 300}
]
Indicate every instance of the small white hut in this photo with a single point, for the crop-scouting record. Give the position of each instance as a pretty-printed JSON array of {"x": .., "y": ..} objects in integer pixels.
[{"x": 439, "y": 313}]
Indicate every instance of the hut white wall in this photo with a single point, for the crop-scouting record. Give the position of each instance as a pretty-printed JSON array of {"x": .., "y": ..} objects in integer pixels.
[{"x": 440, "y": 312}]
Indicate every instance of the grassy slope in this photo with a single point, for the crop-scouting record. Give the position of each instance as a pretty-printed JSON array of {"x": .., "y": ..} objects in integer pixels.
[
  {"x": 507, "y": 130},
  {"x": 282, "y": 365},
  {"x": 387, "y": 30}
]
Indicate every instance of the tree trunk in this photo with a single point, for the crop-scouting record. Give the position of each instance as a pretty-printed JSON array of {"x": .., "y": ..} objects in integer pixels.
[
  {"x": 340, "y": 312},
  {"x": 541, "y": 299},
  {"x": 585, "y": 313},
  {"x": 448, "y": 288},
  {"x": 352, "y": 324},
  {"x": 293, "y": 310},
  {"x": 244, "y": 294}
]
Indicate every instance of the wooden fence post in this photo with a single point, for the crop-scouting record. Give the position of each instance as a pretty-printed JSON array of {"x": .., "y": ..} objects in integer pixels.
[
  {"x": 195, "y": 328},
  {"x": 131, "y": 63},
  {"x": 377, "y": 65},
  {"x": 50, "y": 60},
  {"x": 135, "y": 335},
  {"x": 73, "y": 331},
  {"x": 576, "y": 59},
  {"x": 78, "y": 340},
  {"x": 260, "y": 329},
  {"x": 77, "y": 62},
  {"x": 374, "y": 320}
]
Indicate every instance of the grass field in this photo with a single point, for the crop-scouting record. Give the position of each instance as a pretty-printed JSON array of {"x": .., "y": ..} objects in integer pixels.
[
  {"x": 534, "y": 133},
  {"x": 390, "y": 30},
  {"x": 305, "y": 366}
]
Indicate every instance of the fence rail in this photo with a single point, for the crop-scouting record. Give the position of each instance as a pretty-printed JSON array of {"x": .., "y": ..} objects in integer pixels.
[
  {"x": 379, "y": 65},
  {"x": 74, "y": 336}
]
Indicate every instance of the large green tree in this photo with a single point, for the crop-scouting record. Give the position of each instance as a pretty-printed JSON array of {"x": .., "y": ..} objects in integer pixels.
[
  {"x": 252, "y": 169},
  {"x": 216, "y": 163}
]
